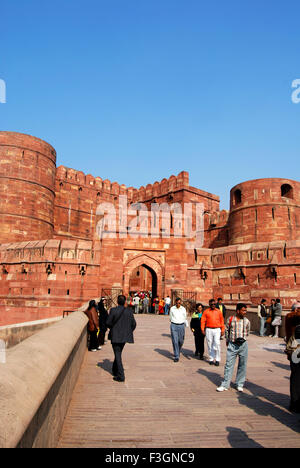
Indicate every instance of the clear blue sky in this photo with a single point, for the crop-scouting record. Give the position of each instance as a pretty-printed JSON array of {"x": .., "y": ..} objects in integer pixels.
[{"x": 137, "y": 90}]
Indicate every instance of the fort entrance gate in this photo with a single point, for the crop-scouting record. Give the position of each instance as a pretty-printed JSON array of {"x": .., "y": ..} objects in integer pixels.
[
  {"x": 151, "y": 264},
  {"x": 143, "y": 278}
]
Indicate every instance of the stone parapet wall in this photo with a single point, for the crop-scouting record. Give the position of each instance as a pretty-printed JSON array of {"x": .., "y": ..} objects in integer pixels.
[
  {"x": 37, "y": 383},
  {"x": 15, "y": 334}
]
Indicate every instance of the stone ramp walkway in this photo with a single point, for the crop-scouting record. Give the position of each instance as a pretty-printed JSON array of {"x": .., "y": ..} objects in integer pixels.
[{"x": 163, "y": 404}]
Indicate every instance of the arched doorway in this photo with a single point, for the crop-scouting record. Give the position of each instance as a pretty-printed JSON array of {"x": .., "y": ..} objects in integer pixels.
[
  {"x": 154, "y": 275},
  {"x": 143, "y": 278}
]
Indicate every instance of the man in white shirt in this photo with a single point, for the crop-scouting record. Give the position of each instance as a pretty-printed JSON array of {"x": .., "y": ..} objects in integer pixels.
[
  {"x": 178, "y": 320},
  {"x": 136, "y": 303},
  {"x": 167, "y": 305}
]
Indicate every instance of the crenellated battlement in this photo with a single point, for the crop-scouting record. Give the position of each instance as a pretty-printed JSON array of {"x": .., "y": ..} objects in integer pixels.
[{"x": 66, "y": 175}]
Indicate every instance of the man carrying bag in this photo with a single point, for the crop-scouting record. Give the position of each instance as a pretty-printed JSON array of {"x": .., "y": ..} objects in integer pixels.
[{"x": 122, "y": 324}]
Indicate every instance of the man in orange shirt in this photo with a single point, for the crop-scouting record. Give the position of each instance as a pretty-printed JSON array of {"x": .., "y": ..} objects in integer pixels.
[{"x": 212, "y": 326}]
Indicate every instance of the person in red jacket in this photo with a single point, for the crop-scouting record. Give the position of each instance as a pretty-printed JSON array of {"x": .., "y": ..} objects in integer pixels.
[{"x": 213, "y": 327}]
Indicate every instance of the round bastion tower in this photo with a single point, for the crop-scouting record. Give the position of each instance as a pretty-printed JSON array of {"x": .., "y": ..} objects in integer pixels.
[
  {"x": 27, "y": 188},
  {"x": 264, "y": 210}
]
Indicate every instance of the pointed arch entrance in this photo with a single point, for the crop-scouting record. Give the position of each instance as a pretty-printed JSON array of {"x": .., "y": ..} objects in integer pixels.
[
  {"x": 143, "y": 278},
  {"x": 155, "y": 273}
]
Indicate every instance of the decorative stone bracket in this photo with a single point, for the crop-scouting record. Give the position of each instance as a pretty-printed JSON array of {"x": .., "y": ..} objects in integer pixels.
[
  {"x": 239, "y": 274},
  {"x": 49, "y": 269},
  {"x": 203, "y": 274}
]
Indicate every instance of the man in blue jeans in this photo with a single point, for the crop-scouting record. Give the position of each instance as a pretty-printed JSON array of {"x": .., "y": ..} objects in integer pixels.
[{"x": 236, "y": 333}]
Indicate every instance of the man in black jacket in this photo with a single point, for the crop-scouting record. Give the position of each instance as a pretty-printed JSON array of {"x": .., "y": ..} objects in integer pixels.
[{"x": 122, "y": 325}]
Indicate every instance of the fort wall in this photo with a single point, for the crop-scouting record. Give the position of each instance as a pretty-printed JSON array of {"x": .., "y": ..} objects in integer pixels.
[
  {"x": 77, "y": 197},
  {"x": 42, "y": 279},
  {"x": 37, "y": 383},
  {"x": 250, "y": 272},
  {"x": 52, "y": 259}
]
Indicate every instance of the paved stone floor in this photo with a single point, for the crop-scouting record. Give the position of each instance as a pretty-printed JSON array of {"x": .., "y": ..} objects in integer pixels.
[{"x": 163, "y": 404}]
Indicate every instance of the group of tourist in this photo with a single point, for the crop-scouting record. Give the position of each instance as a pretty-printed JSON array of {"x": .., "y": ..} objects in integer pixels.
[
  {"x": 210, "y": 324},
  {"x": 270, "y": 318},
  {"x": 206, "y": 324},
  {"x": 142, "y": 303},
  {"x": 121, "y": 323}
]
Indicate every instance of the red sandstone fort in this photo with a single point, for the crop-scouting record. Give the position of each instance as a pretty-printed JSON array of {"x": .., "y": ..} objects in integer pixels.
[{"x": 52, "y": 261}]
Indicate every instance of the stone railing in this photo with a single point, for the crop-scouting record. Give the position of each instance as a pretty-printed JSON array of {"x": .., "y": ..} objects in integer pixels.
[
  {"x": 15, "y": 334},
  {"x": 37, "y": 381}
]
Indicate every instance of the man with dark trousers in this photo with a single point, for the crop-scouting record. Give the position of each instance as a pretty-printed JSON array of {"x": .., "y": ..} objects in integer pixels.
[
  {"x": 221, "y": 306},
  {"x": 122, "y": 325}
]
